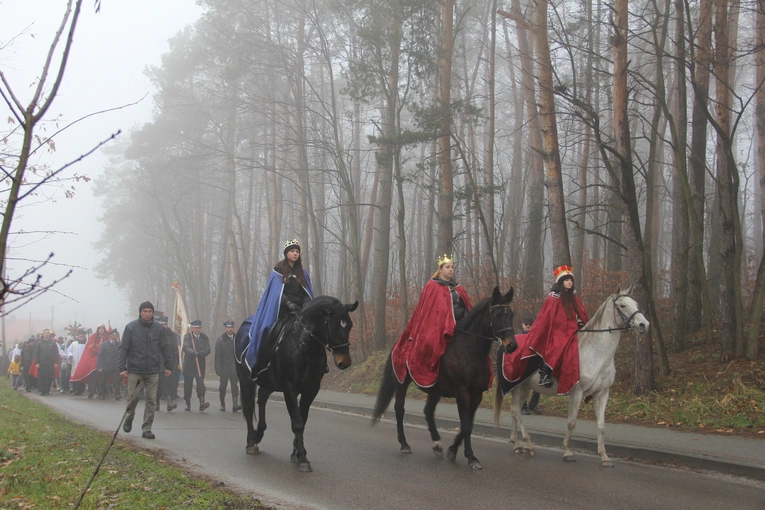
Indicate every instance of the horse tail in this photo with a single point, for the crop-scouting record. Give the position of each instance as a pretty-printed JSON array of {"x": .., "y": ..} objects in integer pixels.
[
  {"x": 497, "y": 399},
  {"x": 387, "y": 389}
]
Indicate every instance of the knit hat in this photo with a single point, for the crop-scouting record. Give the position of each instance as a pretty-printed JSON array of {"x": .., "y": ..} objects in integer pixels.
[
  {"x": 292, "y": 244},
  {"x": 561, "y": 272},
  {"x": 145, "y": 305}
]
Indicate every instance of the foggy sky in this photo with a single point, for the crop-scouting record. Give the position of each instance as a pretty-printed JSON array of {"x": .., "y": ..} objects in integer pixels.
[{"x": 105, "y": 70}]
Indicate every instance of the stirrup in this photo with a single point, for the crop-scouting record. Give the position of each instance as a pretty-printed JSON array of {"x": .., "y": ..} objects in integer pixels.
[{"x": 545, "y": 381}]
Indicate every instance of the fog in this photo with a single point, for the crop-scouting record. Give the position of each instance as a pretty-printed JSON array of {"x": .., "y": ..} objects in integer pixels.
[{"x": 105, "y": 71}]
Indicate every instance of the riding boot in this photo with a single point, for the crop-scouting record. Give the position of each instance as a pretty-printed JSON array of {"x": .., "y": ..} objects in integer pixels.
[
  {"x": 170, "y": 403},
  {"x": 222, "y": 405},
  {"x": 545, "y": 377},
  {"x": 202, "y": 404},
  {"x": 236, "y": 407},
  {"x": 188, "y": 404}
]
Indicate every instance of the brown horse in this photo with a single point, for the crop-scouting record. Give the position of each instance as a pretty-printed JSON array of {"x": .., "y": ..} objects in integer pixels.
[{"x": 464, "y": 373}]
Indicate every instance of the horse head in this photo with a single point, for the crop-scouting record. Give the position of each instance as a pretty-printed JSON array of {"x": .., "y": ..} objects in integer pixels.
[
  {"x": 628, "y": 311},
  {"x": 338, "y": 325},
  {"x": 502, "y": 319}
]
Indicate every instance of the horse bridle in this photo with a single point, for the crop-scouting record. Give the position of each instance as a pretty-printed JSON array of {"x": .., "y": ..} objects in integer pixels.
[
  {"x": 627, "y": 320},
  {"x": 496, "y": 337},
  {"x": 330, "y": 348}
]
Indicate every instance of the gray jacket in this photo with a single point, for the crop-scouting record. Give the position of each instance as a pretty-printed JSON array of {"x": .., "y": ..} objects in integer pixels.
[{"x": 142, "y": 344}]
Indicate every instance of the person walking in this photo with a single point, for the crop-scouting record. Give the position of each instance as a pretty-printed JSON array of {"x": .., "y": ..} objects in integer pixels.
[
  {"x": 143, "y": 342},
  {"x": 108, "y": 366},
  {"x": 15, "y": 370},
  {"x": 196, "y": 347},
  {"x": 168, "y": 385},
  {"x": 27, "y": 358},
  {"x": 554, "y": 335},
  {"x": 46, "y": 359},
  {"x": 225, "y": 367}
]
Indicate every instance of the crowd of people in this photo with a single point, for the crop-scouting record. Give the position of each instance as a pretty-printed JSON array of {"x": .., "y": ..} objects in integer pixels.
[{"x": 100, "y": 365}]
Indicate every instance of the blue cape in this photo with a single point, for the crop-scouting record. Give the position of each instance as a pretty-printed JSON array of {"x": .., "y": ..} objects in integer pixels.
[{"x": 252, "y": 332}]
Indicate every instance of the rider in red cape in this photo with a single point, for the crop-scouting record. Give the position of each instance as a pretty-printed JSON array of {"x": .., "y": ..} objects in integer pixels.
[
  {"x": 554, "y": 334},
  {"x": 431, "y": 327},
  {"x": 87, "y": 364}
]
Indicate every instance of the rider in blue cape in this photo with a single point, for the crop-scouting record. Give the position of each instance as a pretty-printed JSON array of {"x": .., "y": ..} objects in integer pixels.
[{"x": 288, "y": 288}]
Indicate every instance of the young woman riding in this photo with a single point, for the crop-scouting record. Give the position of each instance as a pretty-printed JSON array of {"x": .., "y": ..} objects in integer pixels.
[{"x": 554, "y": 335}]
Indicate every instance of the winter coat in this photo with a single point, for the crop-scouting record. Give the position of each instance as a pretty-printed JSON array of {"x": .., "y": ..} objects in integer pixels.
[
  {"x": 46, "y": 354},
  {"x": 108, "y": 357},
  {"x": 225, "y": 364},
  {"x": 142, "y": 343},
  {"x": 199, "y": 351}
]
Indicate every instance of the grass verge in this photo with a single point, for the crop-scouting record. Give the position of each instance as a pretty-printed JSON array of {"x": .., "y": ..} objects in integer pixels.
[{"x": 46, "y": 461}]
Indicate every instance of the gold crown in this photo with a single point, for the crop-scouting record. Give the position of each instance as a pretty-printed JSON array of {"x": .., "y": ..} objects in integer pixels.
[{"x": 445, "y": 259}]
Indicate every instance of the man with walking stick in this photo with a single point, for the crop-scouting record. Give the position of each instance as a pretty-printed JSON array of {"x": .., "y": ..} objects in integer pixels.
[
  {"x": 143, "y": 341},
  {"x": 196, "y": 347}
]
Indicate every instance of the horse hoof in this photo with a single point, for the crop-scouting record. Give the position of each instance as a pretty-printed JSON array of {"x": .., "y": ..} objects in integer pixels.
[
  {"x": 438, "y": 450},
  {"x": 475, "y": 465},
  {"x": 293, "y": 458},
  {"x": 252, "y": 450},
  {"x": 405, "y": 448},
  {"x": 304, "y": 467},
  {"x": 451, "y": 453},
  {"x": 518, "y": 450},
  {"x": 606, "y": 463},
  {"x": 569, "y": 458}
]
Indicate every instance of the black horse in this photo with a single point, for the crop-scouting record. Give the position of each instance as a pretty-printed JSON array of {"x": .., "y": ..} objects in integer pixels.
[
  {"x": 293, "y": 360},
  {"x": 464, "y": 374}
]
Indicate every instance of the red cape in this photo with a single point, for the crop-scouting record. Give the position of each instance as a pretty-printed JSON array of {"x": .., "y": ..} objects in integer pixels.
[
  {"x": 87, "y": 364},
  {"x": 426, "y": 335},
  {"x": 33, "y": 370},
  {"x": 553, "y": 338}
]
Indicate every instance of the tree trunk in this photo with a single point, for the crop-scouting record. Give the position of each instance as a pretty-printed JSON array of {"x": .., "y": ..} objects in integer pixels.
[{"x": 446, "y": 198}]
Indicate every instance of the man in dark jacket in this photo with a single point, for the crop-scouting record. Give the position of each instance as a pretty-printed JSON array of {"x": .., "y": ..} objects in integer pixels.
[
  {"x": 168, "y": 386},
  {"x": 46, "y": 359},
  {"x": 225, "y": 366},
  {"x": 196, "y": 347},
  {"x": 27, "y": 357},
  {"x": 108, "y": 366},
  {"x": 139, "y": 361}
]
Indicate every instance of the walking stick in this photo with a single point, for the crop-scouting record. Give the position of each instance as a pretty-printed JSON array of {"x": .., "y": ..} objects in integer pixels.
[{"x": 103, "y": 457}]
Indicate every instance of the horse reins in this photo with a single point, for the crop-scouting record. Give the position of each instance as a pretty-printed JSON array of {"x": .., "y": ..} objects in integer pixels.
[
  {"x": 627, "y": 320},
  {"x": 331, "y": 349},
  {"x": 496, "y": 337}
]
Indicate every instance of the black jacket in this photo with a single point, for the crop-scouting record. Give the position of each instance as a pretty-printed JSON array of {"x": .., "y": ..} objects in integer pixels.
[
  {"x": 46, "y": 353},
  {"x": 143, "y": 345},
  {"x": 199, "y": 351},
  {"x": 108, "y": 357},
  {"x": 225, "y": 364}
]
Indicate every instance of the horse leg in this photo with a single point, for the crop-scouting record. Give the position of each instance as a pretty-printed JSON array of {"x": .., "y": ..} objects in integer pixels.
[
  {"x": 399, "y": 407},
  {"x": 462, "y": 409},
  {"x": 248, "y": 408},
  {"x": 518, "y": 394},
  {"x": 574, "y": 401},
  {"x": 263, "y": 395},
  {"x": 600, "y": 399},
  {"x": 466, "y": 425},
  {"x": 306, "y": 399},
  {"x": 430, "y": 411},
  {"x": 298, "y": 426}
]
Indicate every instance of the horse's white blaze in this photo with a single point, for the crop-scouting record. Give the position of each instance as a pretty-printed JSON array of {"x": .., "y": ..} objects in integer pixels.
[{"x": 596, "y": 372}]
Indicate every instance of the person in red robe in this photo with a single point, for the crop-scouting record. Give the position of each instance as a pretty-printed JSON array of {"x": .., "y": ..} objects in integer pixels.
[
  {"x": 442, "y": 304},
  {"x": 86, "y": 370},
  {"x": 553, "y": 337}
]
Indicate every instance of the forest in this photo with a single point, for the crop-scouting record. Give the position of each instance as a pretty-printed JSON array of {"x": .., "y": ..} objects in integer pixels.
[{"x": 626, "y": 138}]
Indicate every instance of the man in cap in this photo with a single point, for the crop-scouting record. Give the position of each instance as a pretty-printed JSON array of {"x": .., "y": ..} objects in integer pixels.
[
  {"x": 168, "y": 386},
  {"x": 196, "y": 347},
  {"x": 225, "y": 366},
  {"x": 144, "y": 343},
  {"x": 107, "y": 365}
]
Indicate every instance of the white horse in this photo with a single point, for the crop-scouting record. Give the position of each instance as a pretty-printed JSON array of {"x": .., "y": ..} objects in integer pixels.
[{"x": 597, "y": 345}]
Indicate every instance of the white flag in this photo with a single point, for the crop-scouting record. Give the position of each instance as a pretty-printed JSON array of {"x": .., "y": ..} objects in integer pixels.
[{"x": 180, "y": 317}]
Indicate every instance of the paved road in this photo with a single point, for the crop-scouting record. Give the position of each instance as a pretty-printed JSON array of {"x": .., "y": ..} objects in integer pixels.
[{"x": 357, "y": 466}]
